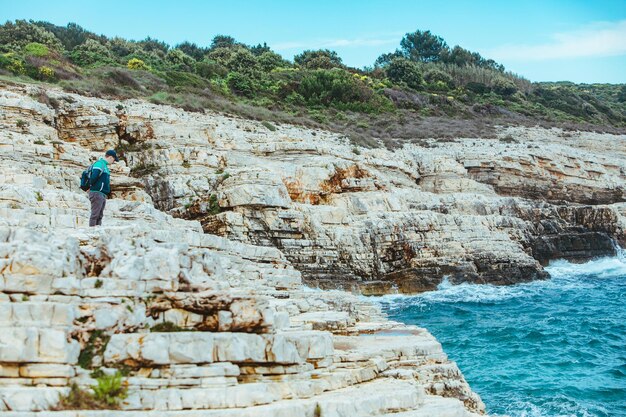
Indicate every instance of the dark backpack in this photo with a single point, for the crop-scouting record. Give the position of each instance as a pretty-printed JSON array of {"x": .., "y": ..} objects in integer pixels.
[{"x": 85, "y": 178}]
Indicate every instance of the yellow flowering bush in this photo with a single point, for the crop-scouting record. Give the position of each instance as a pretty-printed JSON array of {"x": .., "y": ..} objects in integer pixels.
[
  {"x": 46, "y": 73},
  {"x": 137, "y": 64}
]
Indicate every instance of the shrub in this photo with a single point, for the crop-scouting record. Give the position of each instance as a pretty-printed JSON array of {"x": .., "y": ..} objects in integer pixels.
[
  {"x": 121, "y": 47},
  {"x": 12, "y": 63},
  {"x": 179, "y": 60},
  {"x": 91, "y": 53},
  {"x": 214, "y": 206},
  {"x": 268, "y": 125},
  {"x": 46, "y": 73},
  {"x": 136, "y": 64},
  {"x": 210, "y": 69},
  {"x": 434, "y": 76},
  {"x": 478, "y": 88},
  {"x": 78, "y": 399},
  {"x": 184, "y": 79},
  {"x": 504, "y": 87},
  {"x": 271, "y": 60},
  {"x": 240, "y": 84},
  {"x": 36, "y": 49},
  {"x": 143, "y": 169},
  {"x": 328, "y": 87},
  {"x": 621, "y": 97},
  {"x": 95, "y": 346},
  {"x": 122, "y": 77},
  {"x": 403, "y": 71}
]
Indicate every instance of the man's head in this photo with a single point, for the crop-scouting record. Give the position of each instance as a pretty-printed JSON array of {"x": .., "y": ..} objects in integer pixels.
[{"x": 111, "y": 156}]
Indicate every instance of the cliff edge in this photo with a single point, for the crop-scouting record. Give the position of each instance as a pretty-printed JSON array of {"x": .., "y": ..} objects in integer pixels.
[{"x": 193, "y": 288}]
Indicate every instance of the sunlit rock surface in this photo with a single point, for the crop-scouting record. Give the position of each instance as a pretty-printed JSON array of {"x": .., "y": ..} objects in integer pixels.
[{"x": 208, "y": 325}]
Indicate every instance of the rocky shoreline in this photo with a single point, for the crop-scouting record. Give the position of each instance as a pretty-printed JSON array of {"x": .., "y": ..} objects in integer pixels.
[{"x": 195, "y": 285}]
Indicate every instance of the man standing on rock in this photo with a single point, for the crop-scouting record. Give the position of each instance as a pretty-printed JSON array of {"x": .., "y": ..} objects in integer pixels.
[{"x": 100, "y": 186}]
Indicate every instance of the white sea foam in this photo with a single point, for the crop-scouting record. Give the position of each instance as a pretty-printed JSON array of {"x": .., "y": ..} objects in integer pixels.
[
  {"x": 599, "y": 268},
  {"x": 565, "y": 275}
]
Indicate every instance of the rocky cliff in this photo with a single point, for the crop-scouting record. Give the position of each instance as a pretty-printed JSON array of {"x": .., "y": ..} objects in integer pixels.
[
  {"x": 381, "y": 220},
  {"x": 216, "y": 222}
]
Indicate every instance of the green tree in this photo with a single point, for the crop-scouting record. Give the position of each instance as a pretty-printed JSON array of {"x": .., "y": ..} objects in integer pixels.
[
  {"x": 385, "y": 59},
  {"x": 193, "y": 50},
  {"x": 71, "y": 35},
  {"x": 260, "y": 49},
  {"x": 13, "y": 36},
  {"x": 223, "y": 41},
  {"x": 153, "y": 45},
  {"x": 122, "y": 48},
  {"x": 423, "y": 46},
  {"x": 320, "y": 59},
  {"x": 460, "y": 56}
]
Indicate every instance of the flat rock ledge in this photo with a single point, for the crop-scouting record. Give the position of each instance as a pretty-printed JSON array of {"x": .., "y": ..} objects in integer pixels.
[{"x": 244, "y": 336}]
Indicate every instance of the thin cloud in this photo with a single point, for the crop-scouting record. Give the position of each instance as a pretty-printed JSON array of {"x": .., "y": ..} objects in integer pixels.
[
  {"x": 333, "y": 43},
  {"x": 596, "y": 40}
]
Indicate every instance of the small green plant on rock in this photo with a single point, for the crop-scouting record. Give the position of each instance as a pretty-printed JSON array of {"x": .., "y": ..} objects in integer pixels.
[
  {"x": 98, "y": 283},
  {"x": 143, "y": 169},
  {"x": 214, "y": 205},
  {"x": 77, "y": 399},
  {"x": 107, "y": 394},
  {"x": 269, "y": 126},
  {"x": 186, "y": 164},
  {"x": 110, "y": 389},
  {"x": 21, "y": 123},
  {"x": 39, "y": 196},
  {"x": 95, "y": 346}
]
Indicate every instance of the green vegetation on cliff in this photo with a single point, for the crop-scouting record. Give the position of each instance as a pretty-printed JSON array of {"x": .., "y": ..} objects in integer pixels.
[{"x": 423, "y": 89}]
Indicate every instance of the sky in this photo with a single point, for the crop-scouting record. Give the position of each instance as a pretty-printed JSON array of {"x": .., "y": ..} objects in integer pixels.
[{"x": 549, "y": 40}]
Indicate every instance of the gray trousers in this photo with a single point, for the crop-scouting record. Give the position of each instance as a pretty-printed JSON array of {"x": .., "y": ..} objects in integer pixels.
[{"x": 98, "y": 201}]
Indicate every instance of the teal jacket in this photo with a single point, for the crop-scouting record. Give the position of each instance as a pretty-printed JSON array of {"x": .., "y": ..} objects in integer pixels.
[{"x": 100, "y": 178}]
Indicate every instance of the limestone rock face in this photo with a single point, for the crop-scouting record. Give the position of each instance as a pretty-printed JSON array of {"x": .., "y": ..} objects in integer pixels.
[
  {"x": 201, "y": 324},
  {"x": 377, "y": 221}
]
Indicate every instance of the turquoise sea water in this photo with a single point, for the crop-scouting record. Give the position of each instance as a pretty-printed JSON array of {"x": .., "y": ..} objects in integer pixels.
[{"x": 542, "y": 349}]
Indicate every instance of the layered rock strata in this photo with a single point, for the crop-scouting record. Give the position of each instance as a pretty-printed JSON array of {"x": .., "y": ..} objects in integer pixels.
[
  {"x": 197, "y": 324},
  {"x": 379, "y": 221}
]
